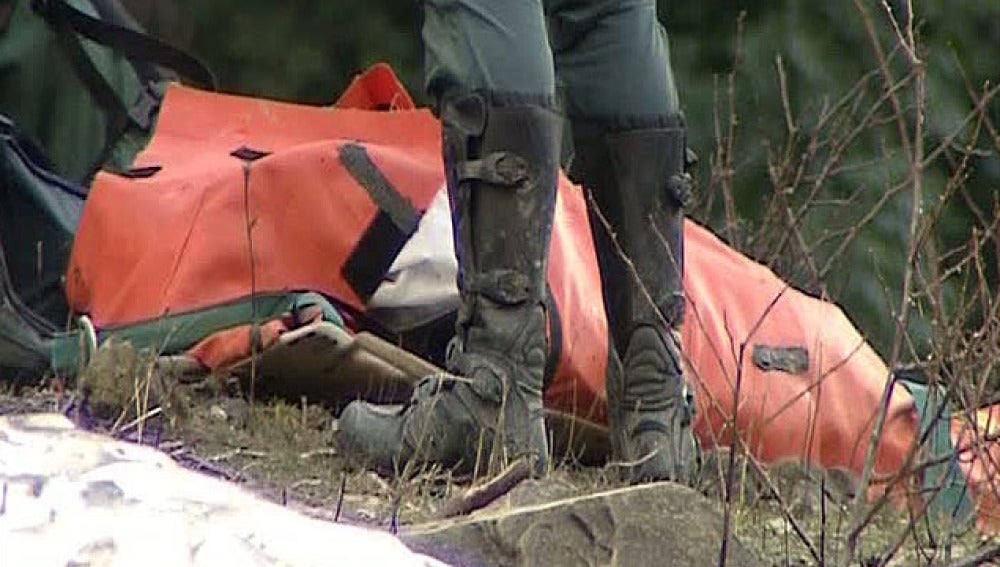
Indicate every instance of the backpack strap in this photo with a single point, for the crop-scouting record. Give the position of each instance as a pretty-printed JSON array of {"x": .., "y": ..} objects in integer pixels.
[
  {"x": 120, "y": 33},
  {"x": 397, "y": 220},
  {"x": 135, "y": 45}
]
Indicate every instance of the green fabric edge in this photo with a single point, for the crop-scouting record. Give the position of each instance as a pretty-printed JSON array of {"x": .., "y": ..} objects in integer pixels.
[
  {"x": 952, "y": 503},
  {"x": 174, "y": 334}
]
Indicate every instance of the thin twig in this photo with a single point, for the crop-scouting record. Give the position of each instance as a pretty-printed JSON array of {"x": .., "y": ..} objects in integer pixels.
[
  {"x": 138, "y": 421},
  {"x": 324, "y": 452},
  {"x": 915, "y": 152},
  {"x": 725, "y": 146},
  {"x": 397, "y": 504},
  {"x": 237, "y": 452},
  {"x": 730, "y": 473},
  {"x": 988, "y": 554},
  {"x": 254, "y": 329},
  {"x": 785, "y": 510},
  {"x": 340, "y": 496},
  {"x": 481, "y": 496},
  {"x": 305, "y": 482}
]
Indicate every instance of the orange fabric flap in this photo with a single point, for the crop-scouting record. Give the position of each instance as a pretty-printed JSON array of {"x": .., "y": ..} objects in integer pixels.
[
  {"x": 147, "y": 246},
  {"x": 235, "y": 344},
  {"x": 377, "y": 88}
]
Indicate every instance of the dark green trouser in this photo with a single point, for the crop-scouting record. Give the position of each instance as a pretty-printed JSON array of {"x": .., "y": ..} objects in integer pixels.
[{"x": 610, "y": 57}]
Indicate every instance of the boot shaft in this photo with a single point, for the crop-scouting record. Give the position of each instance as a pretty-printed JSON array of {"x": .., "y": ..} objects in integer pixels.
[
  {"x": 639, "y": 187},
  {"x": 502, "y": 164}
]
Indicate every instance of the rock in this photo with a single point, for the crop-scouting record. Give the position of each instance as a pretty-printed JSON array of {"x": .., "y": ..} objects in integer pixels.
[
  {"x": 69, "y": 496},
  {"x": 662, "y": 524},
  {"x": 532, "y": 492}
]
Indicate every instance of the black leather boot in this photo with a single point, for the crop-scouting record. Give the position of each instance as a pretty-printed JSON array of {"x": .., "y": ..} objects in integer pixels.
[
  {"x": 502, "y": 162},
  {"x": 638, "y": 181}
]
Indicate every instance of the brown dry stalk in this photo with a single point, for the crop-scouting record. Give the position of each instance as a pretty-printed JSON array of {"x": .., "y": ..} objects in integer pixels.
[
  {"x": 724, "y": 165},
  {"x": 785, "y": 510},
  {"x": 915, "y": 152},
  {"x": 989, "y": 554},
  {"x": 481, "y": 496},
  {"x": 731, "y": 471},
  {"x": 249, "y": 222}
]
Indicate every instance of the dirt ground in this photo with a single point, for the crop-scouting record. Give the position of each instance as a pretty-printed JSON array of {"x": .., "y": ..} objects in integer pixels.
[{"x": 285, "y": 450}]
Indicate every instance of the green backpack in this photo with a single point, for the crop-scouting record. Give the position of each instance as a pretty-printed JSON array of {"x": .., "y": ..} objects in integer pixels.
[{"x": 96, "y": 102}]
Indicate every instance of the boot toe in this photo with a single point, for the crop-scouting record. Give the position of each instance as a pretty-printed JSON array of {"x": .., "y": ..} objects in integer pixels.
[
  {"x": 371, "y": 435},
  {"x": 662, "y": 456}
]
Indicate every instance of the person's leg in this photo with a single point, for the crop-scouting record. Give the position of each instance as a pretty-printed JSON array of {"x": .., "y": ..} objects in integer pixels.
[
  {"x": 490, "y": 72},
  {"x": 613, "y": 62},
  {"x": 498, "y": 46}
]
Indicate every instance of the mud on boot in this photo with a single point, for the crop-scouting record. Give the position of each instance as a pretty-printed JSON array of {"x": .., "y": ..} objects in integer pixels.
[
  {"x": 653, "y": 439},
  {"x": 483, "y": 414}
]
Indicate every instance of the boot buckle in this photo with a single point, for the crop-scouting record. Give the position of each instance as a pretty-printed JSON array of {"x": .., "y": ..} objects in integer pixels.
[
  {"x": 498, "y": 168},
  {"x": 679, "y": 188}
]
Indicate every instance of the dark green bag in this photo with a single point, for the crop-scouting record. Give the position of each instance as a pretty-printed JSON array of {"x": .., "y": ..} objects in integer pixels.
[
  {"x": 96, "y": 102},
  {"x": 39, "y": 212}
]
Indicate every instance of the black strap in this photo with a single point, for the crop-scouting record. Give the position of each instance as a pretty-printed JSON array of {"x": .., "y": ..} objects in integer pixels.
[
  {"x": 357, "y": 162},
  {"x": 388, "y": 232},
  {"x": 9, "y": 301},
  {"x": 376, "y": 250},
  {"x": 134, "y": 45},
  {"x": 112, "y": 11}
]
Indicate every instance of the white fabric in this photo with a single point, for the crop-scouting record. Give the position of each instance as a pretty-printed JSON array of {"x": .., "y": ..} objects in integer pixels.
[
  {"x": 421, "y": 285},
  {"x": 72, "y": 497}
]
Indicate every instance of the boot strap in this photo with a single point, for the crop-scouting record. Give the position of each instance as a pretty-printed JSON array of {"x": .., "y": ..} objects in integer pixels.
[
  {"x": 432, "y": 385},
  {"x": 508, "y": 287},
  {"x": 670, "y": 309},
  {"x": 682, "y": 409},
  {"x": 679, "y": 189},
  {"x": 673, "y": 309},
  {"x": 505, "y": 169}
]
